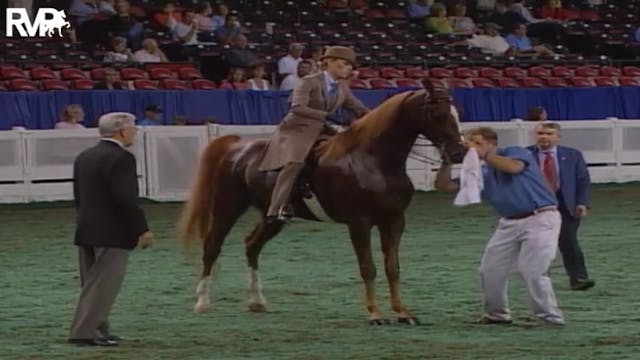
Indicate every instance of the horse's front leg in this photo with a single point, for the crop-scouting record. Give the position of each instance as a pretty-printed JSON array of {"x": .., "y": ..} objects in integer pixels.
[
  {"x": 390, "y": 234},
  {"x": 361, "y": 241}
]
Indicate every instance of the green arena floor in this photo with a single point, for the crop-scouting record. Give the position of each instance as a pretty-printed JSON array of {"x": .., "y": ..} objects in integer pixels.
[{"x": 312, "y": 285}]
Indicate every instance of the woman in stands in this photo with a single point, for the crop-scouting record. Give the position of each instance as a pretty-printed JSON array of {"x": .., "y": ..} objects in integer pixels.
[
  {"x": 119, "y": 51},
  {"x": 72, "y": 116},
  {"x": 235, "y": 80},
  {"x": 461, "y": 23},
  {"x": 258, "y": 81},
  {"x": 438, "y": 22},
  {"x": 150, "y": 52}
]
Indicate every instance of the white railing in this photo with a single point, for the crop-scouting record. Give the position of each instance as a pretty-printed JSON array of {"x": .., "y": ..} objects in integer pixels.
[{"x": 36, "y": 165}]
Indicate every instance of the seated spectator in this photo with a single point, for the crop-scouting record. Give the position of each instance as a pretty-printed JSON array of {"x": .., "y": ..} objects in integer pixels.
[
  {"x": 518, "y": 40},
  {"x": 203, "y": 16},
  {"x": 506, "y": 19},
  {"x": 111, "y": 81},
  {"x": 537, "y": 113},
  {"x": 231, "y": 28},
  {"x": 418, "y": 9},
  {"x": 152, "y": 116},
  {"x": 258, "y": 81},
  {"x": 437, "y": 22},
  {"x": 89, "y": 21},
  {"x": 548, "y": 30},
  {"x": 239, "y": 55},
  {"x": 235, "y": 80},
  {"x": 552, "y": 9},
  {"x": 150, "y": 52},
  {"x": 186, "y": 30},
  {"x": 221, "y": 14},
  {"x": 313, "y": 56},
  {"x": 288, "y": 64},
  {"x": 125, "y": 25},
  {"x": 119, "y": 51},
  {"x": 72, "y": 116},
  {"x": 106, "y": 7},
  {"x": 490, "y": 42},
  {"x": 461, "y": 23},
  {"x": 292, "y": 80},
  {"x": 168, "y": 16},
  {"x": 85, "y": 10}
]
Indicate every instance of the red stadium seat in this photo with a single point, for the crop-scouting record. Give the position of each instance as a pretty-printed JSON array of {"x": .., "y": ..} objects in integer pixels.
[
  {"x": 173, "y": 84},
  {"x": 482, "y": 83},
  {"x": 405, "y": 82},
  {"x": 606, "y": 81},
  {"x": 41, "y": 73},
  {"x": 539, "y": 72},
  {"x": 439, "y": 83},
  {"x": 144, "y": 84},
  {"x": 203, "y": 84},
  {"x": 12, "y": 72},
  {"x": 161, "y": 73},
  {"x": 610, "y": 71},
  {"x": 562, "y": 71},
  {"x": 82, "y": 84},
  {"x": 3, "y": 87},
  {"x": 358, "y": 84},
  {"x": 631, "y": 71},
  {"x": 53, "y": 84},
  {"x": 381, "y": 84},
  {"x": 133, "y": 74},
  {"x": 556, "y": 82},
  {"x": 439, "y": 72},
  {"x": 187, "y": 74},
  {"x": 415, "y": 73},
  {"x": 489, "y": 72},
  {"x": 587, "y": 71},
  {"x": 531, "y": 82},
  {"x": 460, "y": 83},
  {"x": 367, "y": 73},
  {"x": 72, "y": 74},
  {"x": 23, "y": 85},
  {"x": 97, "y": 74},
  {"x": 391, "y": 73},
  {"x": 582, "y": 82},
  {"x": 515, "y": 72},
  {"x": 507, "y": 83},
  {"x": 629, "y": 81},
  {"x": 465, "y": 72}
]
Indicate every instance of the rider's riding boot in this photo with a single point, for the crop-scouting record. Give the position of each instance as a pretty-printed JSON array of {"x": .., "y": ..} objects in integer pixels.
[{"x": 285, "y": 214}]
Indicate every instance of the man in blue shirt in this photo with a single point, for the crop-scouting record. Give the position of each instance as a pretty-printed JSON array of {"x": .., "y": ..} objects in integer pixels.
[
  {"x": 527, "y": 233},
  {"x": 518, "y": 40},
  {"x": 567, "y": 175},
  {"x": 152, "y": 116}
]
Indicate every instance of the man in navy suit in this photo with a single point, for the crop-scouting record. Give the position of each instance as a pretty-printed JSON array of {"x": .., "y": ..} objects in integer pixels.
[{"x": 567, "y": 176}]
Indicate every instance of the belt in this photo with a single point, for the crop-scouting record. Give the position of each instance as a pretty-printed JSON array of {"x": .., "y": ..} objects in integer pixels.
[{"x": 534, "y": 212}]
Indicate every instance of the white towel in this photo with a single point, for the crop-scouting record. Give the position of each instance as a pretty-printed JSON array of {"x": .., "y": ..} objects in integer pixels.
[{"x": 471, "y": 183}]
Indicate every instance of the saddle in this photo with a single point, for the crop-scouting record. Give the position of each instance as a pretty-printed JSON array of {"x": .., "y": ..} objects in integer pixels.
[{"x": 303, "y": 187}]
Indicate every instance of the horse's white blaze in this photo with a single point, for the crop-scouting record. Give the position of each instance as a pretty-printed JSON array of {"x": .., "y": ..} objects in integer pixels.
[
  {"x": 255, "y": 288},
  {"x": 202, "y": 292}
]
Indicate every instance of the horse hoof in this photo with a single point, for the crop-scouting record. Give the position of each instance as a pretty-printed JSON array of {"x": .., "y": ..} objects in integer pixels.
[
  {"x": 378, "y": 322},
  {"x": 257, "y": 307},
  {"x": 413, "y": 321},
  {"x": 201, "y": 308}
]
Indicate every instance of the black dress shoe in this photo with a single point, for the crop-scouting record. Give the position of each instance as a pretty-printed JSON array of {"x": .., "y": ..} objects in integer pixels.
[
  {"x": 582, "y": 284},
  {"x": 93, "y": 342},
  {"x": 115, "y": 338}
]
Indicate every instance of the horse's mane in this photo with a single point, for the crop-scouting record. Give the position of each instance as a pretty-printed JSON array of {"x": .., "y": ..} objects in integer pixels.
[{"x": 364, "y": 130}]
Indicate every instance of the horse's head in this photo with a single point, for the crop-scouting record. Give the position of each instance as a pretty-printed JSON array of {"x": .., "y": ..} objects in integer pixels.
[{"x": 438, "y": 122}]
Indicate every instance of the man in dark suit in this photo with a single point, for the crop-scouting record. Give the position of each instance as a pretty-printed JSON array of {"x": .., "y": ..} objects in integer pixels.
[
  {"x": 109, "y": 225},
  {"x": 567, "y": 176}
]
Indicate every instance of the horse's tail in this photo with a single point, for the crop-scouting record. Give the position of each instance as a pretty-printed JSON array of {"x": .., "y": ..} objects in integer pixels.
[{"x": 196, "y": 215}]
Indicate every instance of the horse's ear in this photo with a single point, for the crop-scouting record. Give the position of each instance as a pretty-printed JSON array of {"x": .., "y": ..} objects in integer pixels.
[{"x": 428, "y": 84}]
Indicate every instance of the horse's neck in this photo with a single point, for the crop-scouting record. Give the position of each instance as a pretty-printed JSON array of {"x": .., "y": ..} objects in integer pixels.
[{"x": 392, "y": 148}]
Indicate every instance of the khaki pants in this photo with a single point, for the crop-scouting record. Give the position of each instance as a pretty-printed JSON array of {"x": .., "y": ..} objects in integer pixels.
[{"x": 285, "y": 182}]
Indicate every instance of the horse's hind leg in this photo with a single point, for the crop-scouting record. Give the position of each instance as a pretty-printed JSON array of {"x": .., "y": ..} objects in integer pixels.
[
  {"x": 254, "y": 244},
  {"x": 390, "y": 234},
  {"x": 225, "y": 214}
]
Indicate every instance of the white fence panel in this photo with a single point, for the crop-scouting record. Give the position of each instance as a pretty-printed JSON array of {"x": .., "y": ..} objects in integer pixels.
[
  {"x": 12, "y": 171},
  {"x": 172, "y": 155}
]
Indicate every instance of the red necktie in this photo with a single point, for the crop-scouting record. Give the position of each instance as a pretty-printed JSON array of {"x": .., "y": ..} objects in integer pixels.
[{"x": 549, "y": 170}]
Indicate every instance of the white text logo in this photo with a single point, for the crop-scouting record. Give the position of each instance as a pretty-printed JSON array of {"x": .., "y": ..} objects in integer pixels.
[{"x": 46, "y": 22}]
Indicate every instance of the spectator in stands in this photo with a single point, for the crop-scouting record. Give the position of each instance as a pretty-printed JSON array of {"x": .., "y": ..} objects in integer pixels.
[
  {"x": 552, "y": 9},
  {"x": 505, "y": 18},
  {"x": 490, "y": 42},
  {"x": 119, "y": 51},
  {"x": 231, "y": 28},
  {"x": 235, "y": 80},
  {"x": 291, "y": 81},
  {"x": 537, "y": 113},
  {"x": 152, "y": 116},
  {"x": 314, "y": 55},
  {"x": 461, "y": 23},
  {"x": 72, "y": 116},
  {"x": 438, "y": 22},
  {"x": 125, "y": 25},
  {"x": 518, "y": 40},
  {"x": 418, "y": 9},
  {"x": 203, "y": 17},
  {"x": 168, "y": 17},
  {"x": 542, "y": 28},
  {"x": 258, "y": 81},
  {"x": 239, "y": 55},
  {"x": 107, "y": 7},
  {"x": 89, "y": 21},
  {"x": 85, "y": 10},
  {"x": 111, "y": 81},
  {"x": 221, "y": 14},
  {"x": 150, "y": 52},
  {"x": 289, "y": 64},
  {"x": 186, "y": 30}
]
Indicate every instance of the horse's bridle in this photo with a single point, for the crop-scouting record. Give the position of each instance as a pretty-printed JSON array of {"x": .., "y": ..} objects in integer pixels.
[{"x": 432, "y": 96}]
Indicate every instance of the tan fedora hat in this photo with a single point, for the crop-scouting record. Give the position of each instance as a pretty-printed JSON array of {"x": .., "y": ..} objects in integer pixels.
[{"x": 340, "y": 52}]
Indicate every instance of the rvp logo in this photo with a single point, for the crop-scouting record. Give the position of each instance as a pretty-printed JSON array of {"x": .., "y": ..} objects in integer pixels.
[{"x": 47, "y": 21}]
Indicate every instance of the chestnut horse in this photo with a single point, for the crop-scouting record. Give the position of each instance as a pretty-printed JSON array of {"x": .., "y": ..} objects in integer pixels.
[{"x": 358, "y": 176}]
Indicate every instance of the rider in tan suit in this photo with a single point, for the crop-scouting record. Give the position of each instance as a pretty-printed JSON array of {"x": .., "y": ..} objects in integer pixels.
[{"x": 313, "y": 105}]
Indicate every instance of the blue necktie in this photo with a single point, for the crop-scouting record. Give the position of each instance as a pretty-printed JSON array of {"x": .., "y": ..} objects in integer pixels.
[{"x": 333, "y": 92}]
